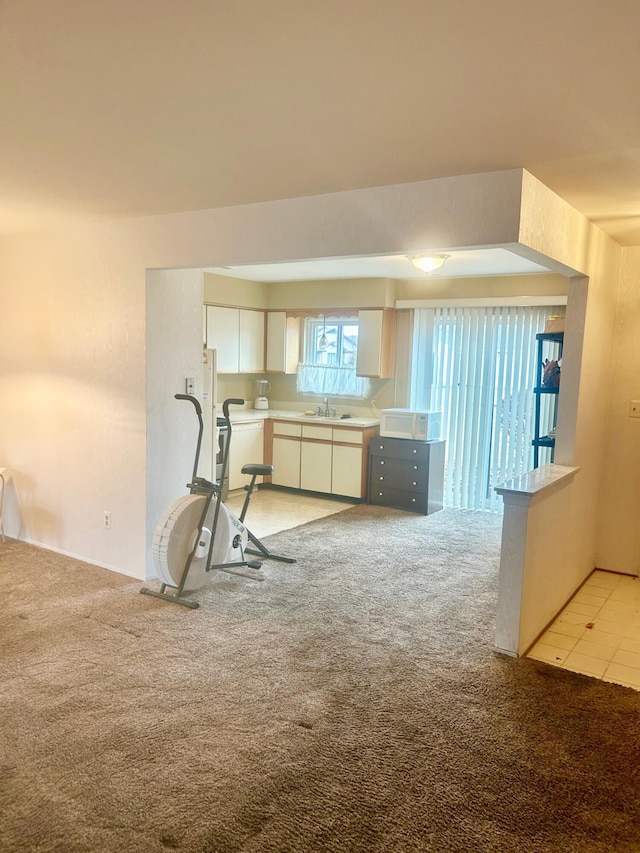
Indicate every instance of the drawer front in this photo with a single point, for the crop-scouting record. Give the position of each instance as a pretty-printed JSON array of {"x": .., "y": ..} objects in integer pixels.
[
  {"x": 348, "y": 436},
  {"x": 398, "y": 474},
  {"x": 399, "y": 448},
  {"x": 397, "y": 498},
  {"x": 285, "y": 428},
  {"x": 318, "y": 432}
]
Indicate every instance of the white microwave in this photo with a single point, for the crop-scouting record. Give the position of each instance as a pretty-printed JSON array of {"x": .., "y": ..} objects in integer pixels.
[{"x": 406, "y": 423}]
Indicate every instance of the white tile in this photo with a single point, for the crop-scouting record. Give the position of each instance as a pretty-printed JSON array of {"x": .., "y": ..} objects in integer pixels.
[
  {"x": 594, "y": 650},
  {"x": 584, "y": 609},
  {"x": 605, "y": 580},
  {"x": 619, "y": 627},
  {"x": 628, "y": 592},
  {"x": 629, "y": 645},
  {"x": 593, "y": 635},
  {"x": 574, "y": 618},
  {"x": 569, "y": 629},
  {"x": 584, "y": 596},
  {"x": 620, "y": 674},
  {"x": 627, "y": 658},
  {"x": 558, "y": 641},
  {"x": 585, "y": 664},
  {"x": 616, "y": 605},
  {"x": 271, "y": 511},
  {"x": 549, "y": 654}
]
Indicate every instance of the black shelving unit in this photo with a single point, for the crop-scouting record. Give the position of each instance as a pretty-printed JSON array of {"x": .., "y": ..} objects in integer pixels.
[{"x": 549, "y": 346}]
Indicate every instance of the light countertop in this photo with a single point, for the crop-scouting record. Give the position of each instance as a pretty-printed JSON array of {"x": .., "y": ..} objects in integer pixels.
[{"x": 246, "y": 415}]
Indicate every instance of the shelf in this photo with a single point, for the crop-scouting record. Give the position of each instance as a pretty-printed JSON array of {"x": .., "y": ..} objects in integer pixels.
[
  {"x": 558, "y": 337},
  {"x": 544, "y": 441}
]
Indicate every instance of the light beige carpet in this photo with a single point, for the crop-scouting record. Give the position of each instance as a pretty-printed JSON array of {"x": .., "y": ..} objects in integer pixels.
[{"x": 351, "y": 702}]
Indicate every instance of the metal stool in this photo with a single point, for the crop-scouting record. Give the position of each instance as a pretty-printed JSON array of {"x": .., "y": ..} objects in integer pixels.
[{"x": 256, "y": 470}]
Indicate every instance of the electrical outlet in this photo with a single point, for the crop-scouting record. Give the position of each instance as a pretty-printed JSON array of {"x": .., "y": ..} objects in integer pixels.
[
  {"x": 634, "y": 408},
  {"x": 107, "y": 520}
]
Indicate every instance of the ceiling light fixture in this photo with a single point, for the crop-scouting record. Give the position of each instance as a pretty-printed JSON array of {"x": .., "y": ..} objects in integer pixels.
[{"x": 428, "y": 263}]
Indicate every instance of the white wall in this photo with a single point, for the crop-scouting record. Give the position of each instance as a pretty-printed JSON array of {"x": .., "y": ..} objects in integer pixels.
[
  {"x": 73, "y": 332},
  {"x": 174, "y": 352},
  {"x": 72, "y": 394},
  {"x": 619, "y": 510},
  {"x": 550, "y": 226}
]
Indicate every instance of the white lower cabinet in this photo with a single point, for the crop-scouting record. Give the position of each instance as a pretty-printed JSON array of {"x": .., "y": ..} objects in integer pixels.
[
  {"x": 285, "y": 454},
  {"x": 247, "y": 446},
  {"x": 315, "y": 466},
  {"x": 346, "y": 471},
  {"x": 320, "y": 458},
  {"x": 286, "y": 462}
]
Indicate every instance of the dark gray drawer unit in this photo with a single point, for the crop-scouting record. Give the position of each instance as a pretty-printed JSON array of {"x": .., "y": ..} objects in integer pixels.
[{"x": 406, "y": 474}]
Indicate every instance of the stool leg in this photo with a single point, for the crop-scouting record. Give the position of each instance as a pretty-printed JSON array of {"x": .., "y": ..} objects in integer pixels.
[
  {"x": 245, "y": 505},
  {"x": 260, "y": 548}
]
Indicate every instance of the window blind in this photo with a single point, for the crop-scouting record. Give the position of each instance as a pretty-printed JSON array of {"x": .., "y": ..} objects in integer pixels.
[{"x": 477, "y": 365}]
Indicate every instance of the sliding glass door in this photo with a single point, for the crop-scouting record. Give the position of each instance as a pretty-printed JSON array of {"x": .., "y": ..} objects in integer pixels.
[{"x": 477, "y": 366}]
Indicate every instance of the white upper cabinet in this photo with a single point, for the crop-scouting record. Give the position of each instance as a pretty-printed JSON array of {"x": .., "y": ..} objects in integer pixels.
[
  {"x": 251, "y": 337},
  {"x": 376, "y": 343},
  {"x": 237, "y": 335},
  {"x": 283, "y": 342},
  {"x": 223, "y": 336}
]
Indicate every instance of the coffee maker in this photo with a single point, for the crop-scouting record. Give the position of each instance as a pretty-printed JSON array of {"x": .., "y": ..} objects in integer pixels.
[{"x": 263, "y": 389}]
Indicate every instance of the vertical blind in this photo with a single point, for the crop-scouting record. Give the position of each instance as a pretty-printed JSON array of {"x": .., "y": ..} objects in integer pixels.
[{"x": 478, "y": 367}]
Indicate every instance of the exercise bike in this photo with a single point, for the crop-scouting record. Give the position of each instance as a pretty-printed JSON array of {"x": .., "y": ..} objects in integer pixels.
[{"x": 198, "y": 533}]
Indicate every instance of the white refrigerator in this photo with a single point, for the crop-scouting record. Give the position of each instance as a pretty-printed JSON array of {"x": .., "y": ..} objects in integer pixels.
[{"x": 209, "y": 449}]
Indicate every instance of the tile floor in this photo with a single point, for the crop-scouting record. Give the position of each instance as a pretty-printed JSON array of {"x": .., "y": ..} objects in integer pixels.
[
  {"x": 598, "y": 632},
  {"x": 271, "y": 510}
]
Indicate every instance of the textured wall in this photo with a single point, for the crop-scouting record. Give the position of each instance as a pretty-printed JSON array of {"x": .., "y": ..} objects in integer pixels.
[
  {"x": 619, "y": 508},
  {"x": 73, "y": 336}
]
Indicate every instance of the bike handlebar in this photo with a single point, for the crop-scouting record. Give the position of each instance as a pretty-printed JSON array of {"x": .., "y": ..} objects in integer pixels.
[
  {"x": 191, "y": 399},
  {"x": 227, "y": 403}
]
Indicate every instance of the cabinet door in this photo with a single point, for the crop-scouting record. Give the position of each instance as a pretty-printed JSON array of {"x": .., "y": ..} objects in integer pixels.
[
  {"x": 376, "y": 343},
  {"x": 222, "y": 335},
  {"x": 315, "y": 466},
  {"x": 251, "y": 347},
  {"x": 286, "y": 462},
  {"x": 346, "y": 470},
  {"x": 246, "y": 447},
  {"x": 283, "y": 343}
]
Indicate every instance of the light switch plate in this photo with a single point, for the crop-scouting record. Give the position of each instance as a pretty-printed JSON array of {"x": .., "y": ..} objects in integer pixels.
[
  {"x": 634, "y": 408},
  {"x": 191, "y": 386}
]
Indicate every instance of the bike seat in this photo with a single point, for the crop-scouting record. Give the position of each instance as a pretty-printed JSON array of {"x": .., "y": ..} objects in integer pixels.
[{"x": 257, "y": 469}]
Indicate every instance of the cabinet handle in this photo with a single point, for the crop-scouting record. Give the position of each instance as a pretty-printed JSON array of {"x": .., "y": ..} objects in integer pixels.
[
  {"x": 380, "y": 493},
  {"x": 415, "y": 467},
  {"x": 414, "y": 483},
  {"x": 413, "y": 500},
  {"x": 414, "y": 450},
  {"x": 382, "y": 461},
  {"x": 381, "y": 478}
]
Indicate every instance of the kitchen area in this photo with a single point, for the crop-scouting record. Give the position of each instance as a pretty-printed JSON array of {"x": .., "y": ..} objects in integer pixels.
[{"x": 318, "y": 444}]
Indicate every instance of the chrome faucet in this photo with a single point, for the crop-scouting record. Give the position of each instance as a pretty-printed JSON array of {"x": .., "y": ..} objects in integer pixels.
[{"x": 327, "y": 411}]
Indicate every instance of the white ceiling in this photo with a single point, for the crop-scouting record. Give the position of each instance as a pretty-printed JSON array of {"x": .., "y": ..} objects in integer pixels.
[
  {"x": 461, "y": 264},
  {"x": 139, "y": 107}
]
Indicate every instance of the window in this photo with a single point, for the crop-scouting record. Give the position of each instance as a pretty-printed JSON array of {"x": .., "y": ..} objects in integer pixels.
[
  {"x": 478, "y": 367},
  {"x": 331, "y": 341},
  {"x": 330, "y": 351}
]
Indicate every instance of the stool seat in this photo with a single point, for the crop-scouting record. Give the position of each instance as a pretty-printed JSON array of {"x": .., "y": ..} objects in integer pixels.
[{"x": 257, "y": 468}]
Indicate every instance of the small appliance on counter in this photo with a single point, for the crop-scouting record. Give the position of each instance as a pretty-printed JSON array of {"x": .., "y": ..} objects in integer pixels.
[
  {"x": 407, "y": 423},
  {"x": 263, "y": 388}
]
